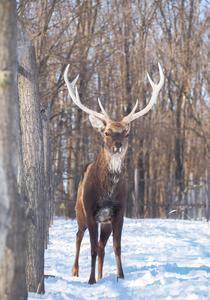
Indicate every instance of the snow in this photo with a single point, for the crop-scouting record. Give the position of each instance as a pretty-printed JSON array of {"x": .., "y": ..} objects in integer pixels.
[{"x": 162, "y": 259}]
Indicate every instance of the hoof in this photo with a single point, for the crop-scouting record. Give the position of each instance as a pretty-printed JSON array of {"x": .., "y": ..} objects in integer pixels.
[
  {"x": 75, "y": 273},
  {"x": 92, "y": 281},
  {"x": 120, "y": 277}
]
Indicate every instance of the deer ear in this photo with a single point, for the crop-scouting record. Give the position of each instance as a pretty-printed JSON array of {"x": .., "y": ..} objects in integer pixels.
[{"x": 97, "y": 123}]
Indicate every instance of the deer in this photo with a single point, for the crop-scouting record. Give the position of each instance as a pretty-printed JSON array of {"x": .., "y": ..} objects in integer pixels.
[{"x": 102, "y": 190}]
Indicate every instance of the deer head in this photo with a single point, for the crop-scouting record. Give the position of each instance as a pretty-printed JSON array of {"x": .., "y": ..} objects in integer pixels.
[{"x": 115, "y": 134}]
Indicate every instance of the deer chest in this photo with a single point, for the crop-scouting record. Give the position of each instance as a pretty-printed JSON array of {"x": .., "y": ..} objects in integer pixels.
[{"x": 105, "y": 209}]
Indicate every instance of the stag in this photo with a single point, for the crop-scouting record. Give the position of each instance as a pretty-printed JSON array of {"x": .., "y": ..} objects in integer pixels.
[{"x": 102, "y": 191}]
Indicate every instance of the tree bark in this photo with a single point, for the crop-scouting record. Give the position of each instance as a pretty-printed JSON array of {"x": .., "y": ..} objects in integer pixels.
[
  {"x": 33, "y": 161},
  {"x": 12, "y": 241},
  {"x": 47, "y": 165}
]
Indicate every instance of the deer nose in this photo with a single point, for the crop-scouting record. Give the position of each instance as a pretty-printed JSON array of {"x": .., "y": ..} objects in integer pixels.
[{"x": 118, "y": 144}]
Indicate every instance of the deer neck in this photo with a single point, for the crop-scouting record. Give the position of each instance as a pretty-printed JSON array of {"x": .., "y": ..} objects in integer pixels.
[{"x": 113, "y": 163}]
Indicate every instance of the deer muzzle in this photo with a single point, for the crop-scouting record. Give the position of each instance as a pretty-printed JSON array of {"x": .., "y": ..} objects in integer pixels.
[{"x": 117, "y": 146}]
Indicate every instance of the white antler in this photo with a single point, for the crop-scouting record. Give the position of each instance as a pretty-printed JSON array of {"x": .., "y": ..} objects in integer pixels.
[
  {"x": 156, "y": 88},
  {"x": 104, "y": 117}
]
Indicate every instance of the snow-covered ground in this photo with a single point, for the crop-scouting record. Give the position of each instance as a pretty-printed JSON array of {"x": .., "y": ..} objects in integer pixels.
[{"x": 162, "y": 259}]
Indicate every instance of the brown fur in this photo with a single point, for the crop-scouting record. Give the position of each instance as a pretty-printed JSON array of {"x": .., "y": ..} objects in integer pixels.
[{"x": 101, "y": 199}]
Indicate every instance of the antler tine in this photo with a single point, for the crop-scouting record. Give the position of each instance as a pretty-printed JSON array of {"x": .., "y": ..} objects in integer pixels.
[
  {"x": 103, "y": 110},
  {"x": 156, "y": 88},
  {"x": 104, "y": 117}
]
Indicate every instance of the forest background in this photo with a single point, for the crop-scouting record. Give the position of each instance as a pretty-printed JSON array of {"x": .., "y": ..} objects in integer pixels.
[
  {"x": 45, "y": 141},
  {"x": 112, "y": 44}
]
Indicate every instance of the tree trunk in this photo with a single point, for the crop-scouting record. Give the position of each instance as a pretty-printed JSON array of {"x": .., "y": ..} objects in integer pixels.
[
  {"x": 47, "y": 165},
  {"x": 33, "y": 160},
  {"x": 12, "y": 241},
  {"x": 136, "y": 192}
]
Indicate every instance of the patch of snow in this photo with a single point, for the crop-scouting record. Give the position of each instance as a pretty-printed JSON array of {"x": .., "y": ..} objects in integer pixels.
[{"x": 162, "y": 259}]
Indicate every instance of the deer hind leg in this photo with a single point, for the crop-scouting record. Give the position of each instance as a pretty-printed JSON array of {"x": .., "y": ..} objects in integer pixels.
[
  {"x": 117, "y": 231},
  {"x": 106, "y": 230},
  {"x": 79, "y": 237},
  {"x": 93, "y": 231}
]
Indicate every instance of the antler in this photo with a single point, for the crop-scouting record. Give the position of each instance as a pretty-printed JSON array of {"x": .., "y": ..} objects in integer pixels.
[
  {"x": 104, "y": 117},
  {"x": 156, "y": 88}
]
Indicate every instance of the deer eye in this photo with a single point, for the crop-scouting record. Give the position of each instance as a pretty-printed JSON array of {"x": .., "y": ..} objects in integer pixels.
[{"x": 107, "y": 134}]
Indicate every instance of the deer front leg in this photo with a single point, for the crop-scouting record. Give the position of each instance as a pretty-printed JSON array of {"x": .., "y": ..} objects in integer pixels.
[
  {"x": 105, "y": 233},
  {"x": 117, "y": 231},
  {"x": 93, "y": 230},
  {"x": 75, "y": 269}
]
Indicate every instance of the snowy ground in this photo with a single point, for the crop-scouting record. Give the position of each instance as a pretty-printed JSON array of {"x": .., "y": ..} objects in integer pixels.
[{"x": 162, "y": 259}]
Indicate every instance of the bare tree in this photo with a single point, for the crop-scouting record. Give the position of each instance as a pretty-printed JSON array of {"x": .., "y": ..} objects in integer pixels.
[
  {"x": 111, "y": 43},
  {"x": 12, "y": 225},
  {"x": 33, "y": 163}
]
